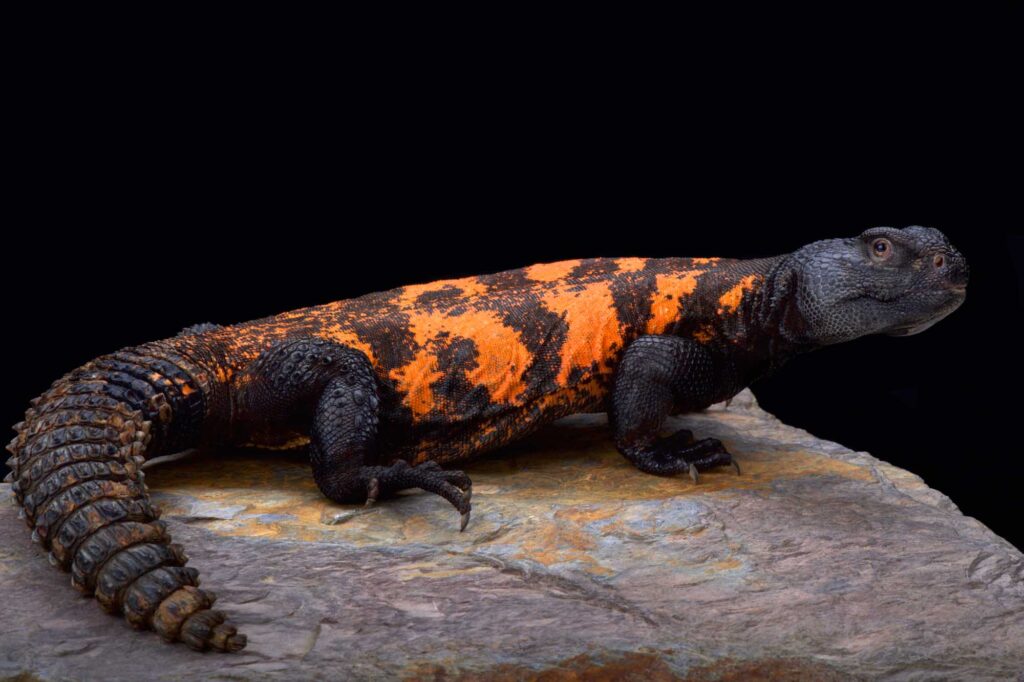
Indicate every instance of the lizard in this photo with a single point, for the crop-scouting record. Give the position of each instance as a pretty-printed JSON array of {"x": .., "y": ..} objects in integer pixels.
[{"x": 390, "y": 389}]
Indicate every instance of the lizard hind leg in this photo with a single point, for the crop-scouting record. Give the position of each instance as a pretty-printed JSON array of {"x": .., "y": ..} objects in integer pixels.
[
  {"x": 340, "y": 384},
  {"x": 344, "y": 434}
]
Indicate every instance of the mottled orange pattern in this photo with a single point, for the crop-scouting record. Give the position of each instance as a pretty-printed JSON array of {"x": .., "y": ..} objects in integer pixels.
[
  {"x": 594, "y": 329},
  {"x": 630, "y": 264},
  {"x": 551, "y": 272},
  {"x": 729, "y": 302},
  {"x": 669, "y": 291},
  {"x": 502, "y": 357},
  {"x": 520, "y": 345}
]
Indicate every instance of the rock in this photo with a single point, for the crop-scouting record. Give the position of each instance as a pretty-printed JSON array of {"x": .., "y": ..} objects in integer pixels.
[{"x": 817, "y": 563}]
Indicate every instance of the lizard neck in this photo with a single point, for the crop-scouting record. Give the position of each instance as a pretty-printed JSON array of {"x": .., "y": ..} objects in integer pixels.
[
  {"x": 778, "y": 329},
  {"x": 746, "y": 312}
]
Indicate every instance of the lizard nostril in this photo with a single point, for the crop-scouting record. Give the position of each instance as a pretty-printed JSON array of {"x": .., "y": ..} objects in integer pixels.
[{"x": 953, "y": 268}]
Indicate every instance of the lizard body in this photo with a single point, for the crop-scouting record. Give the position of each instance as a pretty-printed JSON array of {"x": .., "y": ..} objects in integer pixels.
[
  {"x": 387, "y": 387},
  {"x": 457, "y": 360}
]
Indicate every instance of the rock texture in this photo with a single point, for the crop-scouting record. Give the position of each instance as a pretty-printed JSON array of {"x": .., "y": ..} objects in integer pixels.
[{"x": 817, "y": 563}]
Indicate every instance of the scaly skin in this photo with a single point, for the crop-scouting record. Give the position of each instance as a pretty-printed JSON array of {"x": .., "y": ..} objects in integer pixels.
[{"x": 387, "y": 387}]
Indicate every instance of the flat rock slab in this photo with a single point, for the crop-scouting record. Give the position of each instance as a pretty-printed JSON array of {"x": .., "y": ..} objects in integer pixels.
[{"x": 817, "y": 563}]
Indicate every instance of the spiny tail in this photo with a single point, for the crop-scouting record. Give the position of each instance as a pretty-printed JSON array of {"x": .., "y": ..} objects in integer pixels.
[{"x": 76, "y": 473}]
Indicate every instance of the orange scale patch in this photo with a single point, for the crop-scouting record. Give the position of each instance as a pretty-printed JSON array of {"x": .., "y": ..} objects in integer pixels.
[
  {"x": 551, "y": 272},
  {"x": 501, "y": 362},
  {"x": 593, "y": 326},
  {"x": 668, "y": 291},
  {"x": 705, "y": 333},
  {"x": 457, "y": 288},
  {"x": 631, "y": 264},
  {"x": 729, "y": 302}
]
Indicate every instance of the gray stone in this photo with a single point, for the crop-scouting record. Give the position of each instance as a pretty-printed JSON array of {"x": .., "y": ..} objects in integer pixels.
[{"x": 817, "y": 563}]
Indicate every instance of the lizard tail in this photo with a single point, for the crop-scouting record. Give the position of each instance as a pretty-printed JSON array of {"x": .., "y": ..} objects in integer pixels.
[{"x": 76, "y": 474}]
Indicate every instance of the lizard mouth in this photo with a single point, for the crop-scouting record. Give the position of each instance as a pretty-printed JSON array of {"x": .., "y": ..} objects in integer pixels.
[
  {"x": 911, "y": 329},
  {"x": 915, "y": 329}
]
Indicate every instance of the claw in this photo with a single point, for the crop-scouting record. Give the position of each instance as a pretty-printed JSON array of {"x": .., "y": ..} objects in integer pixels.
[
  {"x": 736, "y": 465},
  {"x": 464, "y": 521},
  {"x": 9, "y": 477},
  {"x": 468, "y": 493},
  {"x": 372, "y": 492},
  {"x": 693, "y": 473}
]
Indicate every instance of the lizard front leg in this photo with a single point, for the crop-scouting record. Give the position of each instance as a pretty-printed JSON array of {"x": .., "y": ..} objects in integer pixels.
[
  {"x": 337, "y": 384},
  {"x": 660, "y": 375}
]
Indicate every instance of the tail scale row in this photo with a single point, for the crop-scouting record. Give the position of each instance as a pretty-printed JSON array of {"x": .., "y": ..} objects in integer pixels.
[{"x": 76, "y": 472}]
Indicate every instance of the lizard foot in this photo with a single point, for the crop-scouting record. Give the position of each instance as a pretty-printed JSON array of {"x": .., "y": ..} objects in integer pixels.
[
  {"x": 452, "y": 485},
  {"x": 706, "y": 454},
  {"x": 680, "y": 453}
]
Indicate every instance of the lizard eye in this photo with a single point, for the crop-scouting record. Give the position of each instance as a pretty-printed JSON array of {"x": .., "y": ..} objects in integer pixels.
[{"x": 881, "y": 249}]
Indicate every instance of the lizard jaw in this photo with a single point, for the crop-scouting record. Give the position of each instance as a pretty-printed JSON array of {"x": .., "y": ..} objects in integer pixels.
[
  {"x": 911, "y": 330},
  {"x": 917, "y": 329}
]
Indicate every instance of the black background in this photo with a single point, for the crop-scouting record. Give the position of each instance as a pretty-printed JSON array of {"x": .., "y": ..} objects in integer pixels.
[{"x": 150, "y": 196}]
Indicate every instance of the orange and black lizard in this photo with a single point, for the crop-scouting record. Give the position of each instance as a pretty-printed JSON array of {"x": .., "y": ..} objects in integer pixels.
[{"x": 389, "y": 388}]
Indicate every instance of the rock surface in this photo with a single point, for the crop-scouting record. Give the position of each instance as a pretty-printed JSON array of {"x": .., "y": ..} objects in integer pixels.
[{"x": 817, "y": 563}]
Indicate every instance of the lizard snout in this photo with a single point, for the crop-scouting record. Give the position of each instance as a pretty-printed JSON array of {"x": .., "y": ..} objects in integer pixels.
[{"x": 951, "y": 265}]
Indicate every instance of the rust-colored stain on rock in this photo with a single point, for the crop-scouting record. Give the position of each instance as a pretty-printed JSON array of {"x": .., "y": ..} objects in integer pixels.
[
  {"x": 632, "y": 667},
  {"x": 642, "y": 667},
  {"x": 767, "y": 670}
]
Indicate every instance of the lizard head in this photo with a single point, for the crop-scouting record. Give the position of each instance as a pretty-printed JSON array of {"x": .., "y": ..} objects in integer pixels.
[{"x": 886, "y": 281}]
